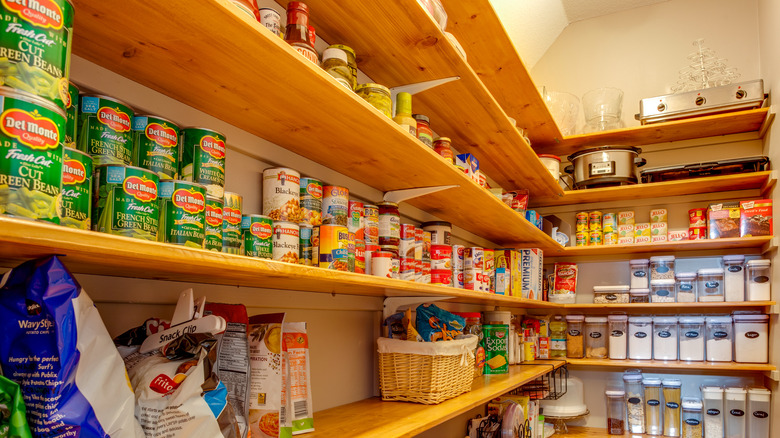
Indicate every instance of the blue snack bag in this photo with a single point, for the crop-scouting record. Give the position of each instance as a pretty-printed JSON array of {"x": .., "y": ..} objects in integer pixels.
[{"x": 436, "y": 324}]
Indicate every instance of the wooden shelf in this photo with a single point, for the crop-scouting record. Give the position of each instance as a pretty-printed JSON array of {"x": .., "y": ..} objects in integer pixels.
[
  {"x": 400, "y": 45},
  {"x": 91, "y": 252},
  {"x": 331, "y": 126},
  {"x": 372, "y": 417},
  {"x": 711, "y": 184},
  {"x": 671, "y": 248},
  {"x": 671, "y": 365},
  {"x": 698, "y": 127}
]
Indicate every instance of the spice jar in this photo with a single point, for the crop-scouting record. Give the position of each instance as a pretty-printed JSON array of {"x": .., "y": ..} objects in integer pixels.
[
  {"x": 574, "y": 331},
  {"x": 691, "y": 418},
  {"x": 758, "y": 412},
  {"x": 334, "y": 62},
  {"x": 692, "y": 338},
  {"x": 685, "y": 288},
  {"x": 389, "y": 224},
  {"x": 662, "y": 290},
  {"x": 443, "y": 147},
  {"x": 719, "y": 338},
  {"x": 712, "y": 400},
  {"x": 662, "y": 267},
  {"x": 759, "y": 280},
  {"x": 639, "y": 273},
  {"x": 635, "y": 402},
  {"x": 640, "y": 337},
  {"x": 665, "y": 338},
  {"x": 710, "y": 284},
  {"x": 378, "y": 96},
  {"x": 557, "y": 337},
  {"x": 671, "y": 390},
  {"x": 595, "y": 337},
  {"x": 736, "y": 405},
  {"x": 734, "y": 277},
  {"x": 618, "y": 345},
  {"x": 653, "y": 400},
  {"x": 424, "y": 132},
  {"x": 639, "y": 295},
  {"x": 351, "y": 63},
  {"x": 615, "y": 411}
]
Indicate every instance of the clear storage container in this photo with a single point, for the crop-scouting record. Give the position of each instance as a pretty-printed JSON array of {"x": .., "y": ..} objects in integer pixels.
[
  {"x": 758, "y": 412},
  {"x": 574, "y": 336},
  {"x": 654, "y": 424},
  {"x": 596, "y": 337},
  {"x": 720, "y": 338},
  {"x": 610, "y": 294},
  {"x": 734, "y": 277},
  {"x": 662, "y": 290},
  {"x": 618, "y": 343},
  {"x": 712, "y": 400},
  {"x": 735, "y": 412},
  {"x": 557, "y": 337},
  {"x": 691, "y": 338},
  {"x": 662, "y": 267},
  {"x": 616, "y": 411},
  {"x": 635, "y": 402},
  {"x": 640, "y": 337},
  {"x": 671, "y": 389},
  {"x": 641, "y": 295},
  {"x": 751, "y": 338},
  {"x": 691, "y": 418},
  {"x": 639, "y": 269},
  {"x": 759, "y": 280},
  {"x": 665, "y": 338},
  {"x": 710, "y": 284},
  {"x": 685, "y": 287}
]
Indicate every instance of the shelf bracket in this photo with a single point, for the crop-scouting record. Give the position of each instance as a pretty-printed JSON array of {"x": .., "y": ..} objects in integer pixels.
[
  {"x": 419, "y": 87},
  {"x": 398, "y": 196},
  {"x": 774, "y": 375},
  {"x": 770, "y": 116},
  {"x": 392, "y": 305},
  {"x": 772, "y": 244}
]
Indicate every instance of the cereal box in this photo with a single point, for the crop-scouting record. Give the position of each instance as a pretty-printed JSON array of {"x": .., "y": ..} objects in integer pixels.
[
  {"x": 625, "y": 218},
  {"x": 658, "y": 215},
  {"x": 642, "y": 230},
  {"x": 756, "y": 218},
  {"x": 677, "y": 235},
  {"x": 723, "y": 220}
]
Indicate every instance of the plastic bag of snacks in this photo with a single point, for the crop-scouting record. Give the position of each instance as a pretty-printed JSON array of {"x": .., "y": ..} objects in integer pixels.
[
  {"x": 56, "y": 347},
  {"x": 435, "y": 324},
  {"x": 13, "y": 419}
]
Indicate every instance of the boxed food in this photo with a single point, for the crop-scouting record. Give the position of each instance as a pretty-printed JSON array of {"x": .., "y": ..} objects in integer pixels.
[
  {"x": 469, "y": 164},
  {"x": 517, "y": 200},
  {"x": 533, "y": 217},
  {"x": 658, "y": 215},
  {"x": 642, "y": 229},
  {"x": 677, "y": 235},
  {"x": 531, "y": 273},
  {"x": 642, "y": 239},
  {"x": 626, "y": 231},
  {"x": 659, "y": 230},
  {"x": 755, "y": 218},
  {"x": 659, "y": 238},
  {"x": 504, "y": 260},
  {"x": 723, "y": 220},
  {"x": 626, "y": 217},
  {"x": 628, "y": 240}
]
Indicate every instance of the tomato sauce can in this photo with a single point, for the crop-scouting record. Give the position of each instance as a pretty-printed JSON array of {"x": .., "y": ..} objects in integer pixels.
[
  {"x": 105, "y": 128},
  {"x": 311, "y": 201},
  {"x": 214, "y": 219},
  {"x": 232, "y": 233},
  {"x": 382, "y": 264},
  {"x": 203, "y": 154},
  {"x": 389, "y": 224},
  {"x": 281, "y": 194},
  {"x": 71, "y": 117},
  {"x": 182, "y": 213},
  {"x": 76, "y": 204},
  {"x": 286, "y": 241},
  {"x": 370, "y": 249},
  {"x": 125, "y": 202},
  {"x": 594, "y": 220},
  {"x": 355, "y": 220},
  {"x": 371, "y": 224},
  {"x": 360, "y": 256},
  {"x": 258, "y": 236},
  {"x": 350, "y": 251},
  {"x": 335, "y": 205},
  {"x": 305, "y": 256},
  {"x": 333, "y": 247}
]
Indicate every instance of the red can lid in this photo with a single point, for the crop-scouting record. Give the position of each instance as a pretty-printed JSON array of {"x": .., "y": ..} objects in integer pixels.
[
  {"x": 469, "y": 314},
  {"x": 549, "y": 156}
]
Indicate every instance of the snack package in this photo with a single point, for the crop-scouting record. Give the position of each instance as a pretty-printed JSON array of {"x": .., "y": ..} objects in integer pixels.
[
  {"x": 436, "y": 324},
  {"x": 296, "y": 342},
  {"x": 756, "y": 218},
  {"x": 13, "y": 421},
  {"x": 55, "y": 346},
  {"x": 564, "y": 283},
  {"x": 395, "y": 326},
  {"x": 411, "y": 332},
  {"x": 266, "y": 404}
]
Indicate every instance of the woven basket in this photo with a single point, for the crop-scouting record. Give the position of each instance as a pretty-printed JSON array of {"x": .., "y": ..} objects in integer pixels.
[{"x": 425, "y": 372}]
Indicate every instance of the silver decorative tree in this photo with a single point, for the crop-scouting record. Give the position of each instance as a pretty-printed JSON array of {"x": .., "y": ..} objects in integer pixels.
[{"x": 705, "y": 70}]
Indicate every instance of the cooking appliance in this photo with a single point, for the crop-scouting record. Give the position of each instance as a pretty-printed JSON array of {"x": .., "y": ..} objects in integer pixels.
[{"x": 605, "y": 166}]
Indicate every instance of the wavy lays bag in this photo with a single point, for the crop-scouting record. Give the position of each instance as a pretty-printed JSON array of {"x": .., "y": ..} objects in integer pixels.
[{"x": 56, "y": 347}]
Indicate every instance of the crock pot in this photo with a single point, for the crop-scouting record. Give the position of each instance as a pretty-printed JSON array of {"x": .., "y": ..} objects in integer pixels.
[{"x": 605, "y": 166}]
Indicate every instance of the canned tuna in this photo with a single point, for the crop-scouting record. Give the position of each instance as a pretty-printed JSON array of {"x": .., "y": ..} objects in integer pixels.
[
  {"x": 355, "y": 222},
  {"x": 334, "y": 240},
  {"x": 286, "y": 241},
  {"x": 258, "y": 236},
  {"x": 76, "y": 205},
  {"x": 105, "y": 129},
  {"x": 281, "y": 194},
  {"x": 305, "y": 256},
  {"x": 232, "y": 234},
  {"x": 335, "y": 205},
  {"x": 125, "y": 202},
  {"x": 371, "y": 223},
  {"x": 156, "y": 142},
  {"x": 214, "y": 219},
  {"x": 311, "y": 201},
  {"x": 182, "y": 213},
  {"x": 203, "y": 158}
]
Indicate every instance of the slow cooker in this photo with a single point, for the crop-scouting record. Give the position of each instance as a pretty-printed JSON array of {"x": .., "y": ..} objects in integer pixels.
[{"x": 605, "y": 166}]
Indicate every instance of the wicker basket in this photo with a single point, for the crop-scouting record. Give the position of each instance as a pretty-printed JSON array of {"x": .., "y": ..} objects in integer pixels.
[{"x": 425, "y": 372}]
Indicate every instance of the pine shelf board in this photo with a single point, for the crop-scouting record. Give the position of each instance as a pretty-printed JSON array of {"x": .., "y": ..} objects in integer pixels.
[
  {"x": 671, "y": 365},
  {"x": 298, "y": 106},
  {"x": 371, "y": 418},
  {"x": 89, "y": 252},
  {"x": 686, "y": 129},
  {"x": 693, "y": 186},
  {"x": 665, "y": 247},
  {"x": 398, "y": 43}
]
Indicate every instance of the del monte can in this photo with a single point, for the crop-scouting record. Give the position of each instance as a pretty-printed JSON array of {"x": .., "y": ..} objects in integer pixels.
[
  {"x": 203, "y": 158},
  {"x": 76, "y": 204},
  {"x": 258, "y": 233},
  {"x": 156, "y": 143},
  {"x": 214, "y": 218},
  {"x": 125, "y": 202},
  {"x": 182, "y": 213},
  {"x": 232, "y": 234},
  {"x": 105, "y": 129},
  {"x": 30, "y": 155}
]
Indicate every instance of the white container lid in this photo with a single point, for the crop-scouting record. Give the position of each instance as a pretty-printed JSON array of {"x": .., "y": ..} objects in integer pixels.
[
  {"x": 618, "y": 289},
  {"x": 718, "y": 320},
  {"x": 661, "y": 259},
  {"x": 595, "y": 319},
  {"x": 733, "y": 259},
  {"x": 617, "y": 318},
  {"x": 615, "y": 393},
  {"x": 751, "y": 318},
  {"x": 639, "y": 291},
  {"x": 640, "y": 319},
  {"x": 759, "y": 394},
  {"x": 575, "y": 318},
  {"x": 651, "y": 381},
  {"x": 759, "y": 262},
  {"x": 691, "y": 404},
  {"x": 735, "y": 393},
  {"x": 665, "y": 320},
  {"x": 662, "y": 282},
  {"x": 639, "y": 262},
  {"x": 691, "y": 320},
  {"x": 712, "y": 392},
  {"x": 632, "y": 377},
  {"x": 710, "y": 271},
  {"x": 686, "y": 276},
  {"x": 672, "y": 383}
]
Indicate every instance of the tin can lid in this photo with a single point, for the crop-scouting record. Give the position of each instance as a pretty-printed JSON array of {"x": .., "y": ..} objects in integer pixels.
[
  {"x": 549, "y": 156},
  {"x": 334, "y": 53},
  {"x": 436, "y": 224},
  {"x": 421, "y": 118}
]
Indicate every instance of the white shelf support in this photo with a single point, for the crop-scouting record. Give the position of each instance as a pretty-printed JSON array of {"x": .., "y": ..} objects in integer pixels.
[
  {"x": 399, "y": 196},
  {"x": 419, "y": 87}
]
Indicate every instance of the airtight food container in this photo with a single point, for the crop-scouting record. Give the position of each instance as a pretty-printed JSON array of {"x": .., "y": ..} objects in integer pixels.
[{"x": 610, "y": 294}]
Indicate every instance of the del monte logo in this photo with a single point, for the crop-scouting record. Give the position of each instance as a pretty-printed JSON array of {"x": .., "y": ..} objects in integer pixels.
[
  {"x": 163, "y": 135},
  {"x": 113, "y": 118},
  {"x": 261, "y": 230},
  {"x": 314, "y": 190},
  {"x": 191, "y": 202},
  {"x": 214, "y": 215},
  {"x": 30, "y": 128},
  {"x": 41, "y": 13},
  {"x": 233, "y": 216},
  {"x": 142, "y": 189},
  {"x": 213, "y": 146},
  {"x": 73, "y": 172}
]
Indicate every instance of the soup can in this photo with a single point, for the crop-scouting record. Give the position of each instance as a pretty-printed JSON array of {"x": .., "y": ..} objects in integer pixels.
[
  {"x": 182, "y": 213},
  {"x": 203, "y": 152},
  {"x": 311, "y": 201},
  {"x": 371, "y": 224},
  {"x": 335, "y": 205},
  {"x": 258, "y": 235},
  {"x": 406, "y": 268},
  {"x": 71, "y": 117},
  {"x": 106, "y": 129},
  {"x": 355, "y": 219},
  {"x": 396, "y": 261},
  {"x": 594, "y": 220},
  {"x": 426, "y": 272},
  {"x": 406, "y": 246},
  {"x": 286, "y": 241},
  {"x": 232, "y": 233},
  {"x": 441, "y": 277},
  {"x": 389, "y": 227},
  {"x": 382, "y": 264},
  {"x": 281, "y": 194},
  {"x": 76, "y": 204},
  {"x": 457, "y": 257},
  {"x": 370, "y": 249},
  {"x": 304, "y": 246},
  {"x": 350, "y": 252},
  {"x": 418, "y": 250},
  {"x": 334, "y": 251},
  {"x": 156, "y": 142},
  {"x": 125, "y": 201},
  {"x": 214, "y": 219}
]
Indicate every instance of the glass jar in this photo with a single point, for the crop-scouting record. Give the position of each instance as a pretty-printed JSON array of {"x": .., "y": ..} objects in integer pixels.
[
  {"x": 671, "y": 389},
  {"x": 334, "y": 62},
  {"x": 662, "y": 268},
  {"x": 618, "y": 344},
  {"x": 378, "y": 96},
  {"x": 736, "y": 406},
  {"x": 297, "y": 28},
  {"x": 615, "y": 411},
  {"x": 691, "y": 338},
  {"x": 712, "y": 400},
  {"x": 710, "y": 284},
  {"x": 685, "y": 287},
  {"x": 759, "y": 279},
  {"x": 720, "y": 338},
  {"x": 351, "y": 63},
  {"x": 734, "y": 277},
  {"x": 665, "y": 338},
  {"x": 574, "y": 330},
  {"x": 389, "y": 224},
  {"x": 758, "y": 412},
  {"x": 640, "y": 337},
  {"x": 610, "y": 294},
  {"x": 557, "y": 337},
  {"x": 403, "y": 113},
  {"x": 635, "y": 402},
  {"x": 424, "y": 132},
  {"x": 639, "y": 295},
  {"x": 639, "y": 273},
  {"x": 653, "y": 401},
  {"x": 443, "y": 147},
  {"x": 595, "y": 337},
  {"x": 751, "y": 338},
  {"x": 662, "y": 290},
  {"x": 691, "y": 418}
]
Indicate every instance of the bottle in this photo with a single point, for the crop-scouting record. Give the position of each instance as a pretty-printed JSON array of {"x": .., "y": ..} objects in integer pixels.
[
  {"x": 298, "y": 33},
  {"x": 557, "y": 337},
  {"x": 334, "y": 62},
  {"x": 403, "y": 113}
]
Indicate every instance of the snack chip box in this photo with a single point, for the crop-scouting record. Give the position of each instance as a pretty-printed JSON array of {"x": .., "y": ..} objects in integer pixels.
[
  {"x": 469, "y": 164},
  {"x": 756, "y": 218}
]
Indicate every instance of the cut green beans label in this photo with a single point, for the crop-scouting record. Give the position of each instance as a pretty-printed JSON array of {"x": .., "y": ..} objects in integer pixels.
[
  {"x": 76, "y": 205},
  {"x": 35, "y": 47},
  {"x": 125, "y": 202},
  {"x": 182, "y": 216},
  {"x": 156, "y": 143},
  {"x": 105, "y": 130},
  {"x": 214, "y": 217},
  {"x": 31, "y": 163},
  {"x": 203, "y": 158}
]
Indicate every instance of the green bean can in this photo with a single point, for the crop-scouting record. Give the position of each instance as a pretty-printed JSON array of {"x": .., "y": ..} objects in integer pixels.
[
  {"x": 105, "y": 129},
  {"x": 35, "y": 47},
  {"x": 258, "y": 236},
  {"x": 182, "y": 213},
  {"x": 125, "y": 201},
  {"x": 71, "y": 116},
  {"x": 156, "y": 145},
  {"x": 30, "y": 155},
  {"x": 214, "y": 218},
  {"x": 203, "y": 158},
  {"x": 232, "y": 234},
  {"x": 496, "y": 340},
  {"x": 76, "y": 204}
]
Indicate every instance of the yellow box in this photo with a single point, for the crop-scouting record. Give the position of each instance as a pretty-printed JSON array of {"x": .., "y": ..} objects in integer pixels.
[
  {"x": 626, "y": 218},
  {"x": 642, "y": 230},
  {"x": 658, "y": 215}
]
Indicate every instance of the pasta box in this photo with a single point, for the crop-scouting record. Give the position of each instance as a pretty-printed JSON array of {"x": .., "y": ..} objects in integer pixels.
[{"x": 755, "y": 218}]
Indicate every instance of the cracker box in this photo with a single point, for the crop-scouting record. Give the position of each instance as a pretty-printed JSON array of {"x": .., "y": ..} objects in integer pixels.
[
  {"x": 755, "y": 218},
  {"x": 469, "y": 164},
  {"x": 531, "y": 271},
  {"x": 723, "y": 220}
]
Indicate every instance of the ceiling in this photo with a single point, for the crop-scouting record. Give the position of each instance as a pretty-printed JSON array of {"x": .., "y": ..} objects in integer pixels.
[{"x": 533, "y": 25}]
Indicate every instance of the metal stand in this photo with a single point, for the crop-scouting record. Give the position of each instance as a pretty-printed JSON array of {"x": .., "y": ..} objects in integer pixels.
[{"x": 560, "y": 422}]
